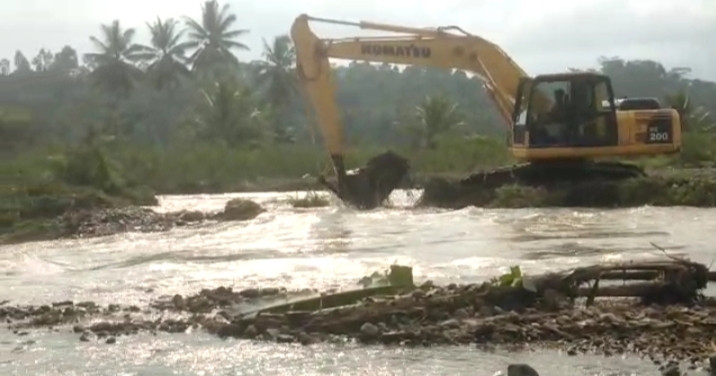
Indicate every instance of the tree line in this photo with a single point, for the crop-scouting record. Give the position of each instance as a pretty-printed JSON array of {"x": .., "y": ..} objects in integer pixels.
[{"x": 186, "y": 84}]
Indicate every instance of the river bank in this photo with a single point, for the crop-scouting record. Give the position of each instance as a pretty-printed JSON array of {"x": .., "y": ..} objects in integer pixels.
[
  {"x": 46, "y": 214},
  {"x": 661, "y": 187},
  {"x": 692, "y": 187}
]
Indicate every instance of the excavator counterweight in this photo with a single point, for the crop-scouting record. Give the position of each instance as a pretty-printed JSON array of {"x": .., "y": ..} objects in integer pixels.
[{"x": 559, "y": 124}]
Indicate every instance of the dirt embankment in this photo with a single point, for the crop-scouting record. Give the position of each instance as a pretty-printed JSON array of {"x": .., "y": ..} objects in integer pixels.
[
  {"x": 93, "y": 222},
  {"x": 665, "y": 187},
  {"x": 660, "y": 316}
]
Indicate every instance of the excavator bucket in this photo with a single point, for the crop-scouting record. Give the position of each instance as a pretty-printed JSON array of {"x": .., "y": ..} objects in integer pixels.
[{"x": 369, "y": 186}]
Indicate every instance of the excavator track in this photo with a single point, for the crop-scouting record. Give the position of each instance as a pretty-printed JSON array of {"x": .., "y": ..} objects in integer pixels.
[{"x": 442, "y": 193}]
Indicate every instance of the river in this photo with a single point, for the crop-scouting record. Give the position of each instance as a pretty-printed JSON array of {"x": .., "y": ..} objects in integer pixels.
[{"x": 322, "y": 248}]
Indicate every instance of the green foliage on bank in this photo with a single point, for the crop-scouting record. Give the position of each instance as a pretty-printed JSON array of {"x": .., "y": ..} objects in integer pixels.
[
  {"x": 180, "y": 113},
  {"x": 659, "y": 189}
]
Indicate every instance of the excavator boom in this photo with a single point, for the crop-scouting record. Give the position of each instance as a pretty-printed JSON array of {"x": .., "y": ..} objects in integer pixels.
[{"x": 438, "y": 48}]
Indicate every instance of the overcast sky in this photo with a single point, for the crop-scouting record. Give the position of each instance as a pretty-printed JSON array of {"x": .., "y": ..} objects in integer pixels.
[{"x": 541, "y": 35}]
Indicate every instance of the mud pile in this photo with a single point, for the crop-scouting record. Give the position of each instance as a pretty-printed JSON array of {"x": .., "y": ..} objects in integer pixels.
[
  {"x": 95, "y": 222},
  {"x": 369, "y": 186},
  {"x": 659, "y": 188},
  {"x": 661, "y": 315}
]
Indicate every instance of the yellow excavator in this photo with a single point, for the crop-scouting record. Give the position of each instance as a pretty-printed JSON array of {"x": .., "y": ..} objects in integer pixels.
[{"x": 558, "y": 123}]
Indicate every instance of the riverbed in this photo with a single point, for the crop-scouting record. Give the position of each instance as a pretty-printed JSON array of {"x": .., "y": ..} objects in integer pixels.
[{"x": 322, "y": 248}]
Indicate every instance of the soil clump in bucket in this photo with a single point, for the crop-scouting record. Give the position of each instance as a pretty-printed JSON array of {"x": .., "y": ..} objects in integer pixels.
[{"x": 369, "y": 186}]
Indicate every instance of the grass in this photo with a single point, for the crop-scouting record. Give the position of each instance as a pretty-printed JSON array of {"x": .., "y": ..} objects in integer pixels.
[
  {"x": 35, "y": 191},
  {"x": 310, "y": 199},
  {"x": 212, "y": 168}
]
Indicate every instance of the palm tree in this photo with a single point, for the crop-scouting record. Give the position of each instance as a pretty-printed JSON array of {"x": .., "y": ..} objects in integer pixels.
[
  {"x": 697, "y": 137},
  {"x": 693, "y": 119},
  {"x": 4, "y": 67},
  {"x": 436, "y": 116},
  {"x": 213, "y": 38},
  {"x": 165, "y": 56},
  {"x": 114, "y": 63},
  {"x": 229, "y": 113},
  {"x": 276, "y": 74},
  {"x": 22, "y": 65}
]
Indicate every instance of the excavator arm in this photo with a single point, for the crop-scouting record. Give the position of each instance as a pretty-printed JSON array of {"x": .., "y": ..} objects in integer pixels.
[{"x": 445, "y": 47}]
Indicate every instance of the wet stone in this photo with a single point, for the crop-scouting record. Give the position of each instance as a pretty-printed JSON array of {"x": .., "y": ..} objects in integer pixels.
[
  {"x": 251, "y": 332},
  {"x": 369, "y": 330},
  {"x": 521, "y": 370},
  {"x": 285, "y": 338},
  {"x": 85, "y": 337}
]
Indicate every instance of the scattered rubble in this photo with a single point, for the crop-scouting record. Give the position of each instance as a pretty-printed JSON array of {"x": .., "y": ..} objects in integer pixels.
[{"x": 656, "y": 312}]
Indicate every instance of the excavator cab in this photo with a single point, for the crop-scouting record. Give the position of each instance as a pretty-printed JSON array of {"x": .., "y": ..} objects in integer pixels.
[
  {"x": 570, "y": 117},
  {"x": 565, "y": 111}
]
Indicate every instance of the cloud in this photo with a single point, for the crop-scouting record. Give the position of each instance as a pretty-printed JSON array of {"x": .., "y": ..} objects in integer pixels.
[
  {"x": 676, "y": 33},
  {"x": 547, "y": 35}
]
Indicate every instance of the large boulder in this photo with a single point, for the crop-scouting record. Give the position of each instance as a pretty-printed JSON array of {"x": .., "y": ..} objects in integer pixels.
[
  {"x": 521, "y": 369},
  {"x": 240, "y": 209}
]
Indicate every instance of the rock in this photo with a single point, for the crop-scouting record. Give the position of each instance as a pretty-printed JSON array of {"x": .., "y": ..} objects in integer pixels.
[
  {"x": 273, "y": 333},
  {"x": 251, "y": 331},
  {"x": 369, "y": 330},
  {"x": 712, "y": 365},
  {"x": 553, "y": 299},
  {"x": 306, "y": 339},
  {"x": 671, "y": 370},
  {"x": 427, "y": 285},
  {"x": 418, "y": 294},
  {"x": 521, "y": 370},
  {"x": 486, "y": 311},
  {"x": 269, "y": 291},
  {"x": 85, "y": 337},
  {"x": 250, "y": 293},
  {"x": 178, "y": 302},
  {"x": 111, "y": 341},
  {"x": 191, "y": 216},
  {"x": 240, "y": 209},
  {"x": 285, "y": 338}
]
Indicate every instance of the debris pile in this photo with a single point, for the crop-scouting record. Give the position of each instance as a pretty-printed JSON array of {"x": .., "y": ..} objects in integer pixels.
[{"x": 655, "y": 310}]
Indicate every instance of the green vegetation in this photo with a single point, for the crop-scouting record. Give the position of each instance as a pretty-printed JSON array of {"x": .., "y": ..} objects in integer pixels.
[
  {"x": 309, "y": 199},
  {"x": 179, "y": 113},
  {"x": 658, "y": 189}
]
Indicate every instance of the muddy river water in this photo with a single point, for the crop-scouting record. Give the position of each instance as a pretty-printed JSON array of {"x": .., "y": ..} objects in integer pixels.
[{"x": 323, "y": 248}]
